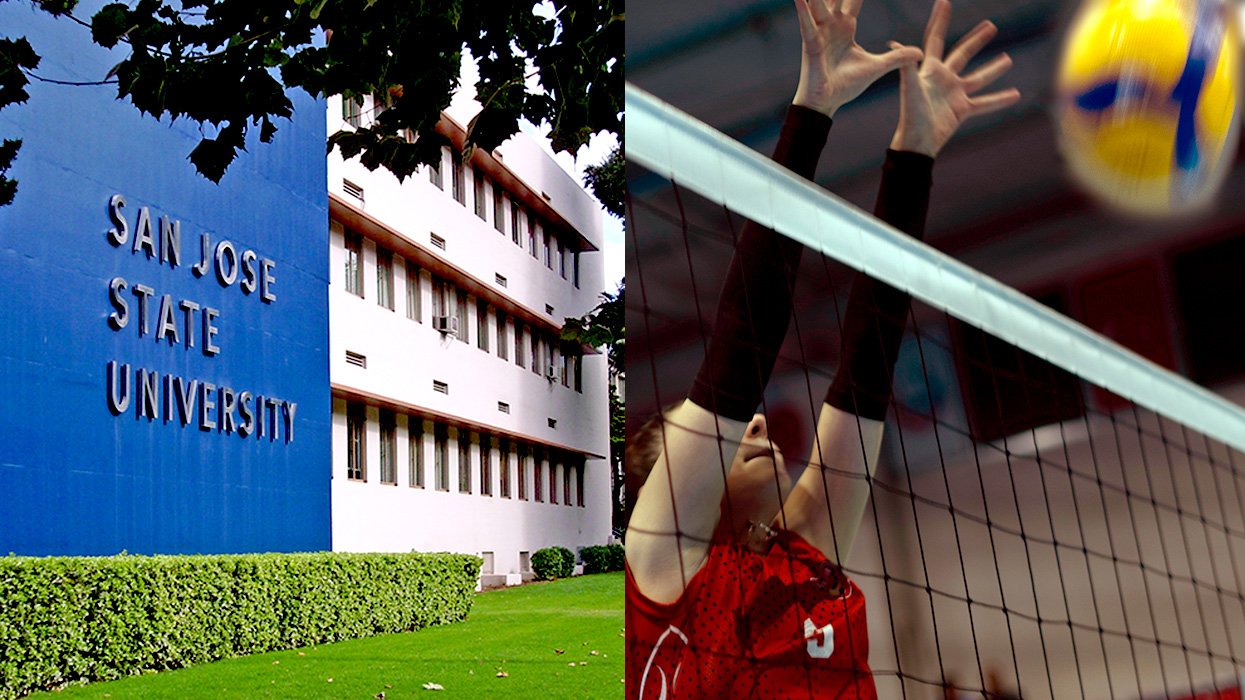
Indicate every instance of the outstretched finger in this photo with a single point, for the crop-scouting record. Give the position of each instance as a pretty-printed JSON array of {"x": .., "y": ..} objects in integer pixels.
[
  {"x": 851, "y": 8},
  {"x": 936, "y": 29},
  {"x": 987, "y": 74},
  {"x": 993, "y": 102},
  {"x": 972, "y": 42},
  {"x": 808, "y": 29},
  {"x": 821, "y": 10}
]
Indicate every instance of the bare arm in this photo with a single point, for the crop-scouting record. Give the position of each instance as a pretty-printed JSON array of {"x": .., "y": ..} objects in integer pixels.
[
  {"x": 678, "y": 508},
  {"x": 827, "y": 502}
]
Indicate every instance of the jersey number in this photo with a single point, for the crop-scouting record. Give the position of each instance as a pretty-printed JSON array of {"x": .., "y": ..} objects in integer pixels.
[{"x": 820, "y": 640}]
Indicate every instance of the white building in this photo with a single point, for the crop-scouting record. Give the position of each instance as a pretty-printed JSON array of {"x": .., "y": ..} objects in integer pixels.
[{"x": 460, "y": 423}]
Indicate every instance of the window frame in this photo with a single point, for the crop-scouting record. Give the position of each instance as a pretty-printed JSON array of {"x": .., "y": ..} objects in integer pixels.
[
  {"x": 482, "y": 325},
  {"x": 464, "y": 462},
  {"x": 384, "y": 278},
  {"x": 477, "y": 187},
  {"x": 353, "y": 247},
  {"x": 356, "y": 442},
  {"x": 441, "y": 458},
  {"x": 414, "y": 302},
  {"x": 388, "y": 448},
  {"x": 415, "y": 454}
]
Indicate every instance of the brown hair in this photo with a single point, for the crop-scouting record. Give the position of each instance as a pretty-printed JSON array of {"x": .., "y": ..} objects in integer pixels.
[{"x": 643, "y": 448}]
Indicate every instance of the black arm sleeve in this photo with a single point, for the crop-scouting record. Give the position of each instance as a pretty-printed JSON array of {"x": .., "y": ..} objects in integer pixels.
[
  {"x": 754, "y": 308},
  {"x": 873, "y": 324}
]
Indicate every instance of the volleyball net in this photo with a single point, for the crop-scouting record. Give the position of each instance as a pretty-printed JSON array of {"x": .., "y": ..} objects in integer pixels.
[{"x": 1053, "y": 514}]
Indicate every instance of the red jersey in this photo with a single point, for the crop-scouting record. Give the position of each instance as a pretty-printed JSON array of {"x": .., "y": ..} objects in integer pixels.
[{"x": 786, "y": 624}]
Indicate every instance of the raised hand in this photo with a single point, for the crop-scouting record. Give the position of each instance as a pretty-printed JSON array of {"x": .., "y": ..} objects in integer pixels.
[
  {"x": 934, "y": 98},
  {"x": 834, "y": 69}
]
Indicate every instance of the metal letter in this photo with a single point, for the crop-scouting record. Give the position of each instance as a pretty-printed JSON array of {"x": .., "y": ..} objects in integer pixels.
[
  {"x": 168, "y": 398},
  {"x": 120, "y": 232},
  {"x": 228, "y": 404},
  {"x": 266, "y": 280},
  {"x": 148, "y": 394},
  {"x": 273, "y": 405},
  {"x": 186, "y": 395},
  {"x": 248, "y": 418},
  {"x": 209, "y": 331},
  {"x": 290, "y": 408},
  {"x": 170, "y": 241},
  {"x": 143, "y": 292},
  {"x": 121, "y": 316},
  {"x": 248, "y": 271},
  {"x": 118, "y": 378},
  {"x": 143, "y": 239},
  {"x": 226, "y": 278},
  {"x": 168, "y": 324},
  {"x": 259, "y": 417},
  {"x": 190, "y": 308},
  {"x": 206, "y": 389},
  {"x": 201, "y": 268}
]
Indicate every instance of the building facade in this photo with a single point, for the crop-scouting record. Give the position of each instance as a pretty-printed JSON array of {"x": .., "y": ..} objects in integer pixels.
[
  {"x": 163, "y": 339},
  {"x": 460, "y": 421}
]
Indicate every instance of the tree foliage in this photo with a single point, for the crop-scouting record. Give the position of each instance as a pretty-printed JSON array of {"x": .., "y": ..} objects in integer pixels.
[
  {"x": 16, "y": 56},
  {"x": 226, "y": 64},
  {"x": 607, "y": 182}
]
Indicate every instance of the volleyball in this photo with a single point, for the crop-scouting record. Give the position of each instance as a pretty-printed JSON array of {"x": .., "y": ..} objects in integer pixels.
[{"x": 1147, "y": 102}]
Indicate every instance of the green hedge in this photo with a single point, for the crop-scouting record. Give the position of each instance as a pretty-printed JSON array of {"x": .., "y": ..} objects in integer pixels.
[
  {"x": 600, "y": 559},
  {"x": 66, "y": 619},
  {"x": 553, "y": 562}
]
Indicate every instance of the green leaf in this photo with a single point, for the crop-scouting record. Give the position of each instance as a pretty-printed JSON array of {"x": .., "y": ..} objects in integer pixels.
[{"x": 112, "y": 22}]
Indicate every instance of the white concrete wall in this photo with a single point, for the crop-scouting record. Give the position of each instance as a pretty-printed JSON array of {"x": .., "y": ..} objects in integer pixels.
[{"x": 404, "y": 357}]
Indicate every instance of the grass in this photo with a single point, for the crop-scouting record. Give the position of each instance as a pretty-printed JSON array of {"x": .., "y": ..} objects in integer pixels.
[{"x": 543, "y": 636}]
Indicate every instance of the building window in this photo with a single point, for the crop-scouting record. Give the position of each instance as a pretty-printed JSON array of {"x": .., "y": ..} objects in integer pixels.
[
  {"x": 415, "y": 440},
  {"x": 575, "y": 269},
  {"x": 482, "y": 325},
  {"x": 553, "y": 482},
  {"x": 434, "y": 173},
  {"x": 566, "y": 483},
  {"x": 440, "y": 297},
  {"x": 579, "y": 481},
  {"x": 464, "y": 462},
  {"x": 460, "y": 177},
  {"x": 563, "y": 254},
  {"x": 579, "y": 373},
  {"x": 461, "y": 312},
  {"x": 518, "y": 342},
  {"x": 356, "y": 442},
  {"x": 537, "y": 343},
  {"x": 384, "y": 278},
  {"x": 352, "y": 110},
  {"x": 503, "y": 343},
  {"x": 441, "y": 457},
  {"x": 477, "y": 179},
  {"x": 521, "y": 474},
  {"x": 514, "y": 221},
  {"x": 531, "y": 236},
  {"x": 388, "y": 448},
  {"x": 499, "y": 213},
  {"x": 354, "y": 263},
  {"x": 413, "y": 310},
  {"x": 486, "y": 466},
  {"x": 538, "y": 478},
  {"x": 566, "y": 370},
  {"x": 503, "y": 463},
  {"x": 548, "y": 243}
]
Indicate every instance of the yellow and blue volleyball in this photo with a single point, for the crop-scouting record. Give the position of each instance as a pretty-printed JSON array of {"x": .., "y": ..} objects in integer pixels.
[{"x": 1147, "y": 96}]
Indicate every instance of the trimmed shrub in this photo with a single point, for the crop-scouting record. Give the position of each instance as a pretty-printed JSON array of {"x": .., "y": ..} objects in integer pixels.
[
  {"x": 553, "y": 562},
  {"x": 600, "y": 559},
  {"x": 67, "y": 619}
]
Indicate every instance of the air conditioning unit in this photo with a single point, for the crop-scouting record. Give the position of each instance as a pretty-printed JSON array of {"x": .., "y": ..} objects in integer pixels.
[
  {"x": 549, "y": 373},
  {"x": 445, "y": 324}
]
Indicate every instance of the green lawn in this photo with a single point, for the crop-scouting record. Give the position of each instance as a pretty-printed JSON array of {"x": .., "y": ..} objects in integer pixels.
[{"x": 553, "y": 640}]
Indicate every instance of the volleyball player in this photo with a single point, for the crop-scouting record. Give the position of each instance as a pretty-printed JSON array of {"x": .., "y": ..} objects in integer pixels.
[{"x": 734, "y": 588}]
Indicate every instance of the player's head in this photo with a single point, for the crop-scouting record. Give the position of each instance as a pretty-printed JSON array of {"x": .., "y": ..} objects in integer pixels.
[
  {"x": 758, "y": 483},
  {"x": 755, "y": 489}
]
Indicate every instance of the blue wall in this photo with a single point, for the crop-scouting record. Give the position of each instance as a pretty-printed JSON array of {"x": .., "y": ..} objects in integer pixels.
[{"x": 74, "y": 477}]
